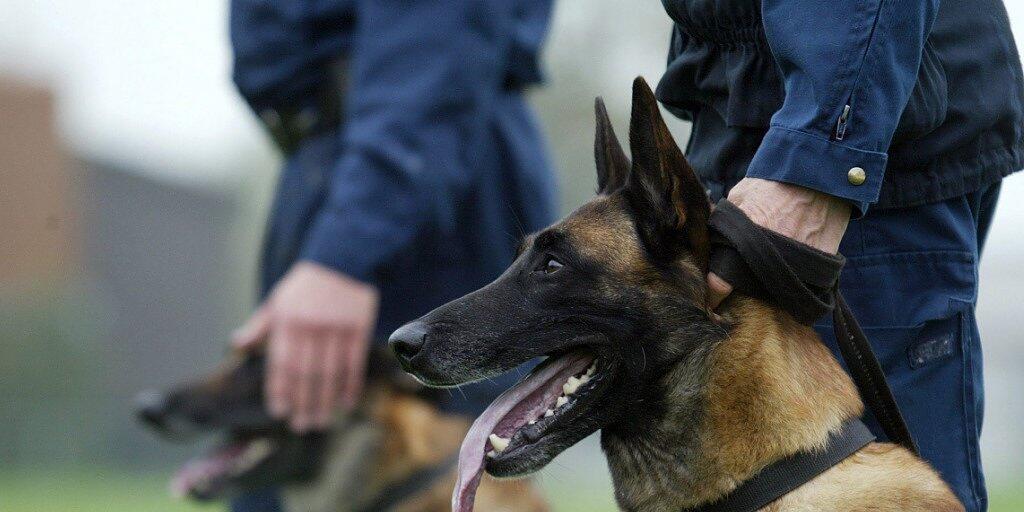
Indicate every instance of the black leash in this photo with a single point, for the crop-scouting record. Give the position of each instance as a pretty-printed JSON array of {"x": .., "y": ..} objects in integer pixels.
[
  {"x": 868, "y": 375},
  {"x": 804, "y": 282},
  {"x": 779, "y": 270},
  {"x": 410, "y": 486}
]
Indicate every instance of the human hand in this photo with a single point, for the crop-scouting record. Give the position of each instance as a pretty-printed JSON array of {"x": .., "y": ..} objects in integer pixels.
[
  {"x": 805, "y": 215},
  {"x": 316, "y": 325}
]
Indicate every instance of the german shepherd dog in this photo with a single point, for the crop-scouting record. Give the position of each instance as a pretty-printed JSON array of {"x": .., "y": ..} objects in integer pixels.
[
  {"x": 690, "y": 403},
  {"x": 366, "y": 462}
]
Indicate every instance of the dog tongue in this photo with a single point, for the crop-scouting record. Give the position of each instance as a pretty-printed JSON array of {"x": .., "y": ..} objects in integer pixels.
[
  {"x": 471, "y": 455},
  {"x": 200, "y": 472}
]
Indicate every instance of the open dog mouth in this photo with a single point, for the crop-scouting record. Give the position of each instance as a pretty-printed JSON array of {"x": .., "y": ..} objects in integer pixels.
[
  {"x": 209, "y": 476},
  {"x": 524, "y": 417}
]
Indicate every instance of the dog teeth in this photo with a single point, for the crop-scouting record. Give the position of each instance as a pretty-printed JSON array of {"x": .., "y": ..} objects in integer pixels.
[
  {"x": 569, "y": 388},
  {"x": 257, "y": 450},
  {"x": 492, "y": 454},
  {"x": 571, "y": 385},
  {"x": 499, "y": 443}
]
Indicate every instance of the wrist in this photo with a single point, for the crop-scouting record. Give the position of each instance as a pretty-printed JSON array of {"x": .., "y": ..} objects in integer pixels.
[{"x": 809, "y": 216}]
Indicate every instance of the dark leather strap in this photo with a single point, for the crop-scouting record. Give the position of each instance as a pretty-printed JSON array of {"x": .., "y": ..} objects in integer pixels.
[
  {"x": 764, "y": 264},
  {"x": 408, "y": 487},
  {"x": 783, "y": 476}
]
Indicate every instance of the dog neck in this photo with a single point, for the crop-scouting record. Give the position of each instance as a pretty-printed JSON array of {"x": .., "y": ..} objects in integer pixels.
[{"x": 767, "y": 390}]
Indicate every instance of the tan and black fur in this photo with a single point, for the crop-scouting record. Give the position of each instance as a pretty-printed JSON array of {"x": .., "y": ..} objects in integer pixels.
[
  {"x": 395, "y": 431},
  {"x": 403, "y": 434},
  {"x": 690, "y": 403}
]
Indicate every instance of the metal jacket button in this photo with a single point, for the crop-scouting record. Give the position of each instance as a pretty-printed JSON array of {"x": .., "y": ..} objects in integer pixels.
[{"x": 857, "y": 176}]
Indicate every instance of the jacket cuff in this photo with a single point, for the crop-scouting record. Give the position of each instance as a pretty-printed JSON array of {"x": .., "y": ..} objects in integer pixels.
[
  {"x": 342, "y": 246},
  {"x": 814, "y": 162}
]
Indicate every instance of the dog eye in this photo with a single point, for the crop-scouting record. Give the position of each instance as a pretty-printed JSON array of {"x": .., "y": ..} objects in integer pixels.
[{"x": 550, "y": 265}]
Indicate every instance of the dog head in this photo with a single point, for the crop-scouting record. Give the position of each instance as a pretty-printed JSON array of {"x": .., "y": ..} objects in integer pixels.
[
  {"x": 257, "y": 450},
  {"x": 598, "y": 294}
]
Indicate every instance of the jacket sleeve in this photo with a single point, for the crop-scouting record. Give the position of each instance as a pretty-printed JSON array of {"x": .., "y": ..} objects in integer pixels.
[
  {"x": 423, "y": 77},
  {"x": 849, "y": 68}
]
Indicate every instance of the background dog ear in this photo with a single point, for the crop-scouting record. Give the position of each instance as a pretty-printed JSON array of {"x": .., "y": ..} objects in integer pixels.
[
  {"x": 612, "y": 163},
  {"x": 670, "y": 204}
]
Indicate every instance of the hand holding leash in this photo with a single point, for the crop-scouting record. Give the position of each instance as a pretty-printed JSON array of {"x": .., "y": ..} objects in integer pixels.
[
  {"x": 804, "y": 281},
  {"x": 805, "y": 215},
  {"x": 316, "y": 326}
]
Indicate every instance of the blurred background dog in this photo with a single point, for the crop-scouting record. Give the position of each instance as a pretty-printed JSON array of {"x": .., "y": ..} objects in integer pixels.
[{"x": 396, "y": 451}]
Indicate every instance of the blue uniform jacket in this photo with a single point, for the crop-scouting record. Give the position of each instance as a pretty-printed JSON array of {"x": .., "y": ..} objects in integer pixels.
[
  {"x": 890, "y": 102},
  {"x": 437, "y": 167}
]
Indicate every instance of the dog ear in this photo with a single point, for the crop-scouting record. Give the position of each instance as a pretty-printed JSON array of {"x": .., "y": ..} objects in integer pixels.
[
  {"x": 612, "y": 163},
  {"x": 670, "y": 205}
]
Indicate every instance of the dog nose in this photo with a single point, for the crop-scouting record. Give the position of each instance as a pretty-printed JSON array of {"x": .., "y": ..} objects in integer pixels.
[
  {"x": 151, "y": 406},
  {"x": 407, "y": 341}
]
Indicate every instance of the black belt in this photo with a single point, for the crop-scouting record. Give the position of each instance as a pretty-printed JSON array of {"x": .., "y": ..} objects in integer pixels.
[
  {"x": 290, "y": 125},
  {"x": 804, "y": 282}
]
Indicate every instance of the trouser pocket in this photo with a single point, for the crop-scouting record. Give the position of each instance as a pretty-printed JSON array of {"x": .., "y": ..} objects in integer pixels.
[
  {"x": 917, "y": 311},
  {"x": 934, "y": 372}
]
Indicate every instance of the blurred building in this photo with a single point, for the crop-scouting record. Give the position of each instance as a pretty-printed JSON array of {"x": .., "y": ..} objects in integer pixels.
[
  {"x": 36, "y": 196},
  {"x": 112, "y": 281}
]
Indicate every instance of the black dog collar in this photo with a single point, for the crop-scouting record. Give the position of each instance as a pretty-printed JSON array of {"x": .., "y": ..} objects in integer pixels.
[{"x": 783, "y": 476}]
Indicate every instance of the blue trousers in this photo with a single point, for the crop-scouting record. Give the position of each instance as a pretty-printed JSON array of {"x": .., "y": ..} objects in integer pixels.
[{"x": 912, "y": 280}]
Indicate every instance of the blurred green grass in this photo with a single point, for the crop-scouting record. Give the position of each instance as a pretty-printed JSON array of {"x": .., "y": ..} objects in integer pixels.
[
  {"x": 114, "y": 491},
  {"x": 89, "y": 491}
]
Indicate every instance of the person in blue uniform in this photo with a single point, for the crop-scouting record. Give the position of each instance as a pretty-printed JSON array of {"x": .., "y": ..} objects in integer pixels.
[
  {"x": 880, "y": 129},
  {"x": 412, "y": 166}
]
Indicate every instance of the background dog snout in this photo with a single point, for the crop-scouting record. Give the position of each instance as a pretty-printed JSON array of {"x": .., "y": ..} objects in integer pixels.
[
  {"x": 407, "y": 341},
  {"x": 151, "y": 407}
]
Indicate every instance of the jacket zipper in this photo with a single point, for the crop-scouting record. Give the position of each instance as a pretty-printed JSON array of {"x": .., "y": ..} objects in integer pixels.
[{"x": 841, "y": 124}]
